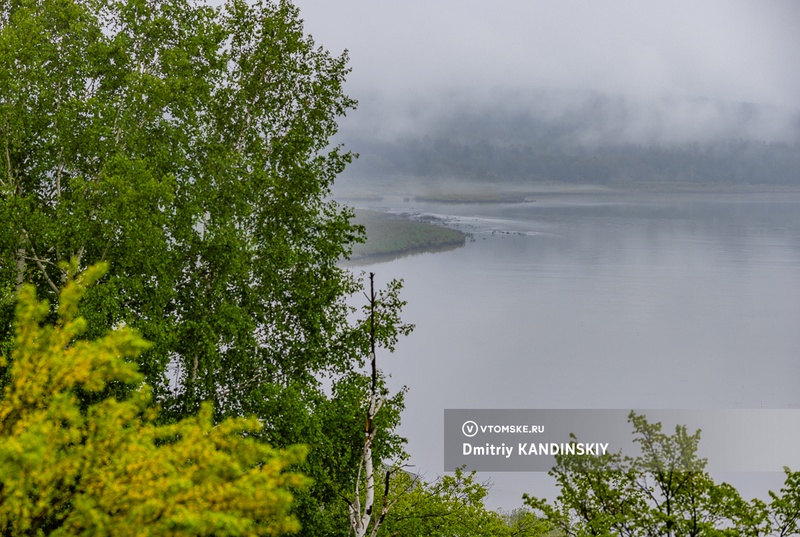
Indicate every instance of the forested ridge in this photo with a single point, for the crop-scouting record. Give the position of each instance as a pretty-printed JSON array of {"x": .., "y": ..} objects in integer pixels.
[
  {"x": 595, "y": 140},
  {"x": 733, "y": 162}
]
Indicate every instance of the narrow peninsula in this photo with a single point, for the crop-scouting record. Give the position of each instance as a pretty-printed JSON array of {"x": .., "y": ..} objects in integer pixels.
[{"x": 390, "y": 236}]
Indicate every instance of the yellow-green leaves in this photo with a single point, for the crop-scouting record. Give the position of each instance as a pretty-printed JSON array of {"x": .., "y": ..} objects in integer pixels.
[{"x": 109, "y": 469}]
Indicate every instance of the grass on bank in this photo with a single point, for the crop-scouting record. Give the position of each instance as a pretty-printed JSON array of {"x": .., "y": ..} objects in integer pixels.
[{"x": 392, "y": 236}]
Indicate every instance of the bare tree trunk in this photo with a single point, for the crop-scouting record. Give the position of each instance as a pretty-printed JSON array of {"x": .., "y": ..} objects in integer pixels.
[
  {"x": 366, "y": 519},
  {"x": 360, "y": 519}
]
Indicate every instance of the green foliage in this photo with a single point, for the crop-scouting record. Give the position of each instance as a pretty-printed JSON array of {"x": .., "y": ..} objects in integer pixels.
[
  {"x": 784, "y": 508},
  {"x": 184, "y": 145},
  {"x": 664, "y": 491},
  {"x": 522, "y": 522},
  {"x": 110, "y": 468},
  {"x": 188, "y": 146},
  {"x": 449, "y": 506}
]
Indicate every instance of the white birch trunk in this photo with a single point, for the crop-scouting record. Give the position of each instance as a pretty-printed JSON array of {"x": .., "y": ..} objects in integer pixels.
[
  {"x": 360, "y": 517},
  {"x": 20, "y": 267}
]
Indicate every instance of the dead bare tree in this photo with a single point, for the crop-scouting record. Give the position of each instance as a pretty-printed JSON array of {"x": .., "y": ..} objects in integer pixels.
[{"x": 365, "y": 517}]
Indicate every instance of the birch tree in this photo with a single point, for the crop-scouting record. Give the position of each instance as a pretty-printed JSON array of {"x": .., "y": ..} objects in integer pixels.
[
  {"x": 383, "y": 328},
  {"x": 188, "y": 145},
  {"x": 664, "y": 491}
]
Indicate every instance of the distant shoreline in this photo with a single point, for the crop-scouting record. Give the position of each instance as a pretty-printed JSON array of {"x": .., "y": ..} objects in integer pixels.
[
  {"x": 466, "y": 193},
  {"x": 390, "y": 236}
]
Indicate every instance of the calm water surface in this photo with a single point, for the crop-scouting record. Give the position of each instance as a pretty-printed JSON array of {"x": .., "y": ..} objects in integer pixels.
[{"x": 604, "y": 301}]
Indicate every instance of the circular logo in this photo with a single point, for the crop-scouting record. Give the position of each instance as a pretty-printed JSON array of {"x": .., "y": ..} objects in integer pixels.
[{"x": 470, "y": 428}]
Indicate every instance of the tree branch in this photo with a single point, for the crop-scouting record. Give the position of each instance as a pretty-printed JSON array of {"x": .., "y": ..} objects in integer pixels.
[{"x": 38, "y": 262}]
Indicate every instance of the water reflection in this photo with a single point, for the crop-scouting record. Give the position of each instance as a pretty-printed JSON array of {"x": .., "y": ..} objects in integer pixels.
[{"x": 602, "y": 302}]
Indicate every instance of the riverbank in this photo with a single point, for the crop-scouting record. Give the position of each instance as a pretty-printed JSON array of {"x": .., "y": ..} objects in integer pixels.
[{"x": 390, "y": 236}]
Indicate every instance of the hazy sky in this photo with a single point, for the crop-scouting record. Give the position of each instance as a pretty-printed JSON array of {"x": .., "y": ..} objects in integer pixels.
[{"x": 732, "y": 49}]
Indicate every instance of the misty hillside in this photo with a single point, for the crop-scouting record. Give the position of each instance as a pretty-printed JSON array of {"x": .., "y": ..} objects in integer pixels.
[{"x": 586, "y": 139}]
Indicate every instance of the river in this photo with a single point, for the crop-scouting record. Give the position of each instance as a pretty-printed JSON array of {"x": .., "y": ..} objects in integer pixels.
[{"x": 613, "y": 300}]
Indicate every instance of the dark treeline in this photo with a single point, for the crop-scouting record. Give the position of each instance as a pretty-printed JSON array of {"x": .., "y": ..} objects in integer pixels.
[
  {"x": 730, "y": 162},
  {"x": 592, "y": 139}
]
